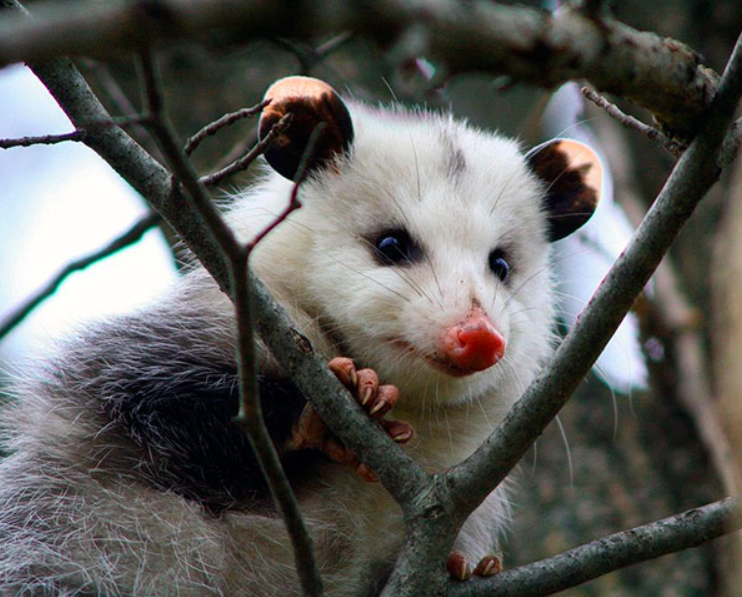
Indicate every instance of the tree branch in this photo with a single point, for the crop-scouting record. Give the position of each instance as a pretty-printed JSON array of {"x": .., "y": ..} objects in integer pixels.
[
  {"x": 41, "y": 140},
  {"x": 212, "y": 128},
  {"x": 128, "y": 238},
  {"x": 243, "y": 162},
  {"x": 74, "y": 136},
  {"x": 628, "y": 121},
  {"x": 576, "y": 566},
  {"x": 528, "y": 45},
  {"x": 250, "y": 417},
  {"x": 309, "y": 56}
]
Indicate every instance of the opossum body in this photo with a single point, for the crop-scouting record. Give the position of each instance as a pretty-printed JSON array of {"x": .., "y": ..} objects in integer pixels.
[{"x": 420, "y": 251}]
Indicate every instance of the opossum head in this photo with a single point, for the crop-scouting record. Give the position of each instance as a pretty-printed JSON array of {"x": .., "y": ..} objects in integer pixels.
[{"x": 421, "y": 249}]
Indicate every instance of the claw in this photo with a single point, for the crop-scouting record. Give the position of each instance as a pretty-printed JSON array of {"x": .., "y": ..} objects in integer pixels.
[
  {"x": 378, "y": 406},
  {"x": 367, "y": 392},
  {"x": 399, "y": 431},
  {"x": 367, "y": 386},
  {"x": 386, "y": 398},
  {"x": 345, "y": 370},
  {"x": 488, "y": 566},
  {"x": 458, "y": 566}
]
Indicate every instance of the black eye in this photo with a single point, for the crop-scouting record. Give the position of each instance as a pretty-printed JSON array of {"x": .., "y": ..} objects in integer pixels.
[
  {"x": 499, "y": 264},
  {"x": 395, "y": 246}
]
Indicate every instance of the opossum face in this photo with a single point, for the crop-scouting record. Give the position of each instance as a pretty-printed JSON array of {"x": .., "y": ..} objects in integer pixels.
[{"x": 421, "y": 250}]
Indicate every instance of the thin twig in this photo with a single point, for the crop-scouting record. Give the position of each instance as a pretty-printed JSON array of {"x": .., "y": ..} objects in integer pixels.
[
  {"x": 184, "y": 171},
  {"x": 128, "y": 238},
  {"x": 247, "y": 360},
  {"x": 250, "y": 417},
  {"x": 325, "y": 49},
  {"x": 238, "y": 150},
  {"x": 193, "y": 142},
  {"x": 74, "y": 136},
  {"x": 108, "y": 83},
  {"x": 246, "y": 160},
  {"x": 308, "y": 56},
  {"x": 42, "y": 140},
  {"x": 629, "y": 121},
  {"x": 294, "y": 202},
  {"x": 576, "y": 566}
]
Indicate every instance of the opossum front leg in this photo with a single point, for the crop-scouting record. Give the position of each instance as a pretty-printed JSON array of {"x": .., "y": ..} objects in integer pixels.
[
  {"x": 474, "y": 551},
  {"x": 311, "y": 432}
]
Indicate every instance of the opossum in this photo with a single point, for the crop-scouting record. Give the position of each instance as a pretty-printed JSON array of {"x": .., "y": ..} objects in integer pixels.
[{"x": 420, "y": 252}]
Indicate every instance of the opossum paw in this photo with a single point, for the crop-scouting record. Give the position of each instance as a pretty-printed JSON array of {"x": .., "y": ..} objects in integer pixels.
[
  {"x": 459, "y": 568},
  {"x": 364, "y": 384},
  {"x": 489, "y": 565},
  {"x": 376, "y": 399},
  {"x": 311, "y": 433}
]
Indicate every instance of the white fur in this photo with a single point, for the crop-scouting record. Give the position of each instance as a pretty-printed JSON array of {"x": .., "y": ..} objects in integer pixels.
[{"x": 72, "y": 509}]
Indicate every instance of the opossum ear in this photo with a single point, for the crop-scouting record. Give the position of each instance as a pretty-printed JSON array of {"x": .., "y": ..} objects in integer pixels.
[
  {"x": 573, "y": 174},
  {"x": 310, "y": 102}
]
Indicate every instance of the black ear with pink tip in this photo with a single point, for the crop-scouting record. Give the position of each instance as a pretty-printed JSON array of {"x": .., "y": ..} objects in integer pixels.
[
  {"x": 573, "y": 175},
  {"x": 310, "y": 102}
]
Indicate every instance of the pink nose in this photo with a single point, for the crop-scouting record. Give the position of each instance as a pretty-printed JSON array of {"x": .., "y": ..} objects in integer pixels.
[{"x": 474, "y": 344}]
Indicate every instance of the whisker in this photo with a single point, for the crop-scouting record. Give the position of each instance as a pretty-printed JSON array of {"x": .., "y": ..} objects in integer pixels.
[
  {"x": 580, "y": 122},
  {"x": 567, "y": 449},
  {"x": 437, "y": 281}
]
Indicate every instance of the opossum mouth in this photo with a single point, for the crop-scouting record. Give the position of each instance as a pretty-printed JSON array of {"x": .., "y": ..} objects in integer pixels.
[{"x": 434, "y": 361}]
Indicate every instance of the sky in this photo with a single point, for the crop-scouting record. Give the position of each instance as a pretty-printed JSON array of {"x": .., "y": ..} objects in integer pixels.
[{"x": 58, "y": 203}]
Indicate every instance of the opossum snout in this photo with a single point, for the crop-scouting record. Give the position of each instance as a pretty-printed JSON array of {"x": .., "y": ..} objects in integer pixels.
[{"x": 473, "y": 344}]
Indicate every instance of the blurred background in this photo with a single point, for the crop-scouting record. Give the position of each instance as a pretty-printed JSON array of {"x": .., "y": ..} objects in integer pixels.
[{"x": 628, "y": 452}]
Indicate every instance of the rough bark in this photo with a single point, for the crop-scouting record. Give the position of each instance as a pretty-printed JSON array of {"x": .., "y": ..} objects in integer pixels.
[{"x": 531, "y": 46}]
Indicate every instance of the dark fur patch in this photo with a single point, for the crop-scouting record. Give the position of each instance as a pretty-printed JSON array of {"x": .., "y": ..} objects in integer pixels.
[
  {"x": 172, "y": 397},
  {"x": 456, "y": 161},
  {"x": 190, "y": 444}
]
